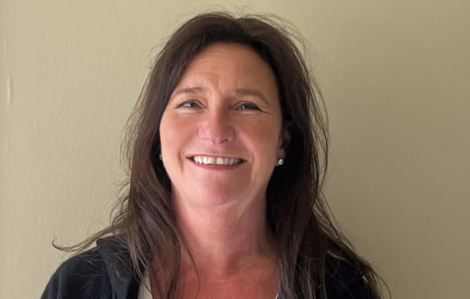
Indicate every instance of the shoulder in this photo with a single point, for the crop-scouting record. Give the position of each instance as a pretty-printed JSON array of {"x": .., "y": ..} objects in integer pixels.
[
  {"x": 82, "y": 276},
  {"x": 97, "y": 273},
  {"x": 344, "y": 281}
]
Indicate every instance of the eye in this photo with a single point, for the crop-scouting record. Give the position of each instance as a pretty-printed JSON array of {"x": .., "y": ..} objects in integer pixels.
[
  {"x": 248, "y": 106},
  {"x": 191, "y": 104}
]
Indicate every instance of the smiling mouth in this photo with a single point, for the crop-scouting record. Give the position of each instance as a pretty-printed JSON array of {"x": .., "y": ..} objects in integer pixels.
[{"x": 216, "y": 160}]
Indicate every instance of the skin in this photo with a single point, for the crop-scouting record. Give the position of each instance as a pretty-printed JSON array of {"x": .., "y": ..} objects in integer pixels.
[{"x": 225, "y": 105}]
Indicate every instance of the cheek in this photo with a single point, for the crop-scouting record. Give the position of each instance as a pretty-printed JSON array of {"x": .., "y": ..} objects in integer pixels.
[
  {"x": 264, "y": 140},
  {"x": 165, "y": 134},
  {"x": 173, "y": 133}
]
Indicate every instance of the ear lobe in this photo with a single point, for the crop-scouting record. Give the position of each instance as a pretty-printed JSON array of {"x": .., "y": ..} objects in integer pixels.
[{"x": 284, "y": 141}]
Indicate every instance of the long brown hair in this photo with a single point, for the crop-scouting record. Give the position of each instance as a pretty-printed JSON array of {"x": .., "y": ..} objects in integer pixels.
[{"x": 303, "y": 228}]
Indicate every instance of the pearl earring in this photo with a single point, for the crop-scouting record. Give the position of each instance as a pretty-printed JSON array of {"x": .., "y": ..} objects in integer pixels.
[
  {"x": 160, "y": 157},
  {"x": 280, "y": 162}
]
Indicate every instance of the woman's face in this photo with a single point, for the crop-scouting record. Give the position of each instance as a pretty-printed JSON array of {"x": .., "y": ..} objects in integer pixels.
[{"x": 221, "y": 132}]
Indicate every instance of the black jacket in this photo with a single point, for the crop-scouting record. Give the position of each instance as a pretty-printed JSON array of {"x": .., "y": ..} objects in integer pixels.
[{"x": 106, "y": 272}]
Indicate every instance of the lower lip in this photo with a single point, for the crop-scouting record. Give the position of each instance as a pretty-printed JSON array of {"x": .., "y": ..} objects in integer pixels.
[{"x": 216, "y": 166}]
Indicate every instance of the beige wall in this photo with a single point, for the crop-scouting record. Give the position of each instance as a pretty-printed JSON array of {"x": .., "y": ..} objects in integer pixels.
[{"x": 395, "y": 78}]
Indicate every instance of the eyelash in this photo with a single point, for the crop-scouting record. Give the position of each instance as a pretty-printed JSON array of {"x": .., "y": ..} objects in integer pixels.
[
  {"x": 251, "y": 106},
  {"x": 193, "y": 104},
  {"x": 190, "y": 102}
]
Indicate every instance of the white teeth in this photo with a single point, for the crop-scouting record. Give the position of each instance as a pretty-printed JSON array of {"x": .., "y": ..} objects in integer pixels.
[{"x": 217, "y": 161}]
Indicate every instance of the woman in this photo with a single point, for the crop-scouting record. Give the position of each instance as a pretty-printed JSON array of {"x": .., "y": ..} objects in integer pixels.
[{"x": 228, "y": 153}]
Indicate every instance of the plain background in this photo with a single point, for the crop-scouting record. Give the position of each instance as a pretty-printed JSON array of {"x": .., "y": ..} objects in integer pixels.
[{"x": 394, "y": 75}]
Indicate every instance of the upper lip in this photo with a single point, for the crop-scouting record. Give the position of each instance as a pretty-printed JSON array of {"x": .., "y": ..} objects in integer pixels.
[{"x": 216, "y": 156}]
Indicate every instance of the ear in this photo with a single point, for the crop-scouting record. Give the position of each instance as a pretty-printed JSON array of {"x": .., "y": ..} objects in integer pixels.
[{"x": 284, "y": 141}]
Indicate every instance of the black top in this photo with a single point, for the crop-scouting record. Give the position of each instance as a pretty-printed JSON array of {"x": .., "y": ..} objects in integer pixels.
[{"x": 106, "y": 272}]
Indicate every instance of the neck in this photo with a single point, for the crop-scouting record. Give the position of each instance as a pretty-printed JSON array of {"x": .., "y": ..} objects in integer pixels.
[{"x": 225, "y": 239}]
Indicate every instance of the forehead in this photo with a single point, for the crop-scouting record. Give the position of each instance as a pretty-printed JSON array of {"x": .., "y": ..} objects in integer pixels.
[{"x": 229, "y": 65}]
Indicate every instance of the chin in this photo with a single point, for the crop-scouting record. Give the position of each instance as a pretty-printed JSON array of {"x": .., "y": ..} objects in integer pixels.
[{"x": 218, "y": 196}]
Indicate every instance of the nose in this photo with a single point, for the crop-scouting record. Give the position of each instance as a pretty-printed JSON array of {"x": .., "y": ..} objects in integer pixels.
[{"x": 216, "y": 126}]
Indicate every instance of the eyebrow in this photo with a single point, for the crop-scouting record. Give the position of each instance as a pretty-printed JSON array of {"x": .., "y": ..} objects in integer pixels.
[
  {"x": 238, "y": 92},
  {"x": 250, "y": 92},
  {"x": 188, "y": 90}
]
